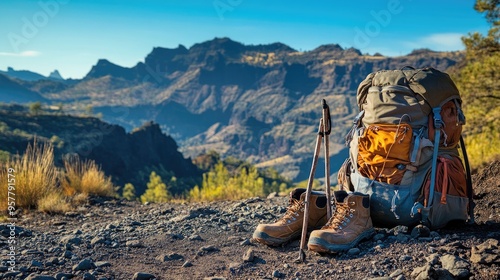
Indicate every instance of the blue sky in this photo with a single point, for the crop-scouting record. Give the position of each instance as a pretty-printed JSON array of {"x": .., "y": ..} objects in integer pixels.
[{"x": 71, "y": 35}]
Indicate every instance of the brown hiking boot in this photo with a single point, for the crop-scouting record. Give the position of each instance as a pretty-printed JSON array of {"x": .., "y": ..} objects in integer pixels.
[
  {"x": 289, "y": 226},
  {"x": 350, "y": 223}
]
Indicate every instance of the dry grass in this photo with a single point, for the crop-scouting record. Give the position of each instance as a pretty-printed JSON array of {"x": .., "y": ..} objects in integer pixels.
[
  {"x": 54, "y": 203},
  {"x": 85, "y": 177},
  {"x": 35, "y": 176},
  {"x": 79, "y": 199},
  {"x": 38, "y": 182},
  {"x": 3, "y": 189}
]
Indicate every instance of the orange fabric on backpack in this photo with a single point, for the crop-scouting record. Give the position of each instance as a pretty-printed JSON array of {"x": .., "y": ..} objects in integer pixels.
[
  {"x": 384, "y": 152},
  {"x": 452, "y": 129},
  {"x": 450, "y": 179}
]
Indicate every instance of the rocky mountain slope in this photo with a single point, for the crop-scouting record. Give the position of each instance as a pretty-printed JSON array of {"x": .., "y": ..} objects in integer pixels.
[
  {"x": 127, "y": 157},
  {"x": 12, "y": 91},
  {"x": 112, "y": 239},
  {"x": 258, "y": 102}
]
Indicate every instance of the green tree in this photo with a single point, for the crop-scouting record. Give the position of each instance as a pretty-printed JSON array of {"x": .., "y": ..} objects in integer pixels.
[
  {"x": 491, "y": 8},
  {"x": 478, "y": 81},
  {"x": 129, "y": 192},
  {"x": 4, "y": 156},
  {"x": 35, "y": 108},
  {"x": 89, "y": 110},
  {"x": 57, "y": 142},
  {"x": 156, "y": 190},
  {"x": 477, "y": 46},
  {"x": 60, "y": 108}
]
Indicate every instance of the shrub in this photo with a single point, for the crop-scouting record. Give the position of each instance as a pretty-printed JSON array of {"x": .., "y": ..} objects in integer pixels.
[
  {"x": 219, "y": 185},
  {"x": 156, "y": 191},
  {"x": 37, "y": 181},
  {"x": 4, "y": 156},
  {"x": 53, "y": 203},
  {"x": 129, "y": 192},
  {"x": 35, "y": 176},
  {"x": 35, "y": 108},
  {"x": 85, "y": 177}
]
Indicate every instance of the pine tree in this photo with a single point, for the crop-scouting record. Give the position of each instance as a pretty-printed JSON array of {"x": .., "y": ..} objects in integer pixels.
[
  {"x": 479, "y": 87},
  {"x": 129, "y": 192},
  {"x": 156, "y": 190},
  {"x": 35, "y": 108}
]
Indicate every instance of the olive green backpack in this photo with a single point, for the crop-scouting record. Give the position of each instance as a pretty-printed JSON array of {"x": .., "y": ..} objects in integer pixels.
[{"x": 403, "y": 149}]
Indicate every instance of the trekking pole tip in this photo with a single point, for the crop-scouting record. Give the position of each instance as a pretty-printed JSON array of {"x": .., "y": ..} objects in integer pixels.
[{"x": 302, "y": 256}]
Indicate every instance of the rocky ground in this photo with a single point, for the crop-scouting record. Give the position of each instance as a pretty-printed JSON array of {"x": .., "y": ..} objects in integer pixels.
[{"x": 113, "y": 239}]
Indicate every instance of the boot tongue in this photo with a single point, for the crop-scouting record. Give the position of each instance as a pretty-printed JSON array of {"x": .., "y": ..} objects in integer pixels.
[
  {"x": 340, "y": 196},
  {"x": 297, "y": 193}
]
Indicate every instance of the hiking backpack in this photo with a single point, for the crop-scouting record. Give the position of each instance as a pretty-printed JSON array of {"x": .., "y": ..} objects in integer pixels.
[{"x": 403, "y": 149}]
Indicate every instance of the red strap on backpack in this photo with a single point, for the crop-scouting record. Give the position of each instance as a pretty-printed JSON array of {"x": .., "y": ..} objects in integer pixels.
[{"x": 444, "y": 163}]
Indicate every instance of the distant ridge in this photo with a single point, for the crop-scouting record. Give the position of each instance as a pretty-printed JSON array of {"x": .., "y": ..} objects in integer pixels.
[
  {"x": 30, "y": 76},
  {"x": 13, "y": 92},
  {"x": 55, "y": 75}
]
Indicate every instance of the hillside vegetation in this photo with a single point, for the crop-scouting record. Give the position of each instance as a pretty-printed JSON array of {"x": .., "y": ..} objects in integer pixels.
[{"x": 478, "y": 79}]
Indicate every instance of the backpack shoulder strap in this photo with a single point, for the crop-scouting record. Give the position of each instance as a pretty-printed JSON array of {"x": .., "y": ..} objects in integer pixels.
[
  {"x": 425, "y": 209},
  {"x": 438, "y": 124},
  {"x": 470, "y": 194}
]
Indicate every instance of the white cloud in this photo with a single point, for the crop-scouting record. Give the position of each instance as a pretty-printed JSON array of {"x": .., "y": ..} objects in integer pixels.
[
  {"x": 438, "y": 42},
  {"x": 449, "y": 41},
  {"x": 21, "y": 54}
]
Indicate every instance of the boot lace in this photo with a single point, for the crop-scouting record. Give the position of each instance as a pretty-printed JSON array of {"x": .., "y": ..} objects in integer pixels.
[
  {"x": 342, "y": 216},
  {"x": 292, "y": 212}
]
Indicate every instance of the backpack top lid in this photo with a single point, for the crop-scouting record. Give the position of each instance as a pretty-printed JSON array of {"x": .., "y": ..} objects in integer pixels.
[{"x": 434, "y": 86}]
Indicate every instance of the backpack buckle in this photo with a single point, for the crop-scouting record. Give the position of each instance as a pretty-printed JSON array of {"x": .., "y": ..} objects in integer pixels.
[{"x": 438, "y": 122}]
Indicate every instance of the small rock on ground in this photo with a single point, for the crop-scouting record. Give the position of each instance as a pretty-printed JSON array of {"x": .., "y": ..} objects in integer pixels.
[{"x": 143, "y": 276}]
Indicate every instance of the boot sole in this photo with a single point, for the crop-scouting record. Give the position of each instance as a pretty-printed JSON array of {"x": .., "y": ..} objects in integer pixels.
[
  {"x": 319, "y": 245},
  {"x": 264, "y": 238}
]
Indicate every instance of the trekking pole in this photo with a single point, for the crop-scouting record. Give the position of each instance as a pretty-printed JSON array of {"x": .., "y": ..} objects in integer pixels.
[
  {"x": 327, "y": 128},
  {"x": 302, "y": 253}
]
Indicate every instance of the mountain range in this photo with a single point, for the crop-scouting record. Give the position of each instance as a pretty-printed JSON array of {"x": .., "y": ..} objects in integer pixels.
[{"x": 261, "y": 103}]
